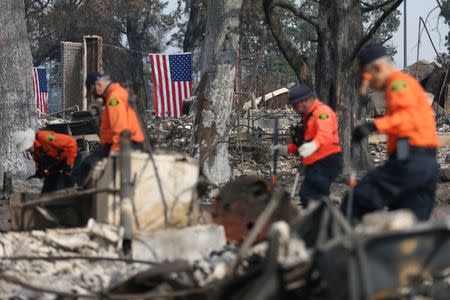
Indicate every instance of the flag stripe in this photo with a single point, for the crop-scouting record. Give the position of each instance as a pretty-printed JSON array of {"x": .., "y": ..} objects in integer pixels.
[
  {"x": 160, "y": 86},
  {"x": 183, "y": 95},
  {"x": 155, "y": 90},
  {"x": 40, "y": 91},
  {"x": 172, "y": 82},
  {"x": 156, "y": 84},
  {"x": 36, "y": 92},
  {"x": 162, "y": 66},
  {"x": 175, "y": 97},
  {"x": 168, "y": 86}
]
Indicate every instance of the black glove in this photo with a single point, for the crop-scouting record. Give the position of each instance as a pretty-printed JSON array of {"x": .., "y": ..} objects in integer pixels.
[
  {"x": 297, "y": 134},
  {"x": 363, "y": 130}
]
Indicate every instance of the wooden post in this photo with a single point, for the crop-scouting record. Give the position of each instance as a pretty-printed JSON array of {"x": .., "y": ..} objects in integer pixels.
[{"x": 126, "y": 209}]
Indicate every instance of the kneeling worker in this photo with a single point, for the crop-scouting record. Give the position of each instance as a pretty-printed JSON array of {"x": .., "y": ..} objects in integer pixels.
[
  {"x": 320, "y": 151},
  {"x": 408, "y": 179},
  {"x": 54, "y": 155}
]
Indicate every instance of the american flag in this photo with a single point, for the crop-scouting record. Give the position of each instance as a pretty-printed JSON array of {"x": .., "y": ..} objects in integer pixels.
[
  {"x": 40, "y": 90},
  {"x": 172, "y": 82}
]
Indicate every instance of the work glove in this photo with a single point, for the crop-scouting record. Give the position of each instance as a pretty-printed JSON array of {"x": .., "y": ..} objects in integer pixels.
[
  {"x": 363, "y": 130},
  {"x": 283, "y": 149},
  {"x": 307, "y": 149}
]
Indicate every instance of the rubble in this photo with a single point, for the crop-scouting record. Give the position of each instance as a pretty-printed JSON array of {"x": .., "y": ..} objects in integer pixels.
[
  {"x": 89, "y": 262},
  {"x": 189, "y": 244},
  {"x": 378, "y": 152},
  {"x": 65, "y": 261},
  {"x": 385, "y": 221},
  {"x": 290, "y": 255}
]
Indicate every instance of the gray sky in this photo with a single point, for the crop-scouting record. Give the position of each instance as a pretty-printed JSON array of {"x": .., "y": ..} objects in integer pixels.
[
  {"x": 438, "y": 31},
  {"x": 416, "y": 9}
]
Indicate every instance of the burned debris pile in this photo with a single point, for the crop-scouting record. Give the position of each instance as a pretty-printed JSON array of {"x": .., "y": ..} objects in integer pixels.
[
  {"x": 146, "y": 234},
  {"x": 257, "y": 245}
]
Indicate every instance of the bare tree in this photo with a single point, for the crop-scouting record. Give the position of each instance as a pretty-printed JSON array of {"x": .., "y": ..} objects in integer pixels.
[
  {"x": 16, "y": 89},
  {"x": 219, "y": 59},
  {"x": 340, "y": 37}
]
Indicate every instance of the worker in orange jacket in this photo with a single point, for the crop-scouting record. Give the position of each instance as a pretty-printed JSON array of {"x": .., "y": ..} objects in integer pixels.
[
  {"x": 117, "y": 117},
  {"x": 409, "y": 177},
  {"x": 319, "y": 148},
  {"x": 54, "y": 155}
]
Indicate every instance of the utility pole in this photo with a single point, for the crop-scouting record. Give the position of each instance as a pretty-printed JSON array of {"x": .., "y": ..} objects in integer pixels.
[{"x": 405, "y": 38}]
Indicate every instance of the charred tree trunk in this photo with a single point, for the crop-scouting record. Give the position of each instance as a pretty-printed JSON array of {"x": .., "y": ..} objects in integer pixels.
[
  {"x": 258, "y": 62},
  {"x": 196, "y": 26},
  {"x": 219, "y": 58},
  {"x": 336, "y": 79},
  {"x": 16, "y": 88},
  {"x": 195, "y": 31},
  {"x": 134, "y": 38}
]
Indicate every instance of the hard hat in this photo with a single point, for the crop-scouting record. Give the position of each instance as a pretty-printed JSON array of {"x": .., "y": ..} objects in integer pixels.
[
  {"x": 300, "y": 93},
  {"x": 23, "y": 140},
  {"x": 370, "y": 54}
]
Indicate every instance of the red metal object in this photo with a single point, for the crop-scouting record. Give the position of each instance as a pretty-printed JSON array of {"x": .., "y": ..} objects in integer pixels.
[{"x": 239, "y": 204}]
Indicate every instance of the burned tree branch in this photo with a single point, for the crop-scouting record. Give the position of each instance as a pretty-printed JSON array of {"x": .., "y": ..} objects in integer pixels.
[
  {"x": 371, "y": 7},
  {"x": 297, "y": 11},
  {"x": 373, "y": 29},
  {"x": 292, "y": 55}
]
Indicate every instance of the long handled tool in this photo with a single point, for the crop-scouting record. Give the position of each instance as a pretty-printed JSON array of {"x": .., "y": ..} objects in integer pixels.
[
  {"x": 352, "y": 180},
  {"x": 276, "y": 152},
  {"x": 294, "y": 187},
  {"x": 297, "y": 178}
]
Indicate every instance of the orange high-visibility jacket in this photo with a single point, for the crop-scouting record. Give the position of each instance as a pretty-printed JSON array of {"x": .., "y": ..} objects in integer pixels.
[
  {"x": 321, "y": 126},
  {"x": 58, "y": 146},
  {"x": 408, "y": 113},
  {"x": 117, "y": 117}
]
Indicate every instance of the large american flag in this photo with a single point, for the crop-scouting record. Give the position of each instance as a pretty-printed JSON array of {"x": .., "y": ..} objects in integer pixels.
[
  {"x": 172, "y": 82},
  {"x": 40, "y": 91}
]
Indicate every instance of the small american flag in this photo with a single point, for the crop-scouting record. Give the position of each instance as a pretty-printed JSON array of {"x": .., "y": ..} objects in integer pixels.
[
  {"x": 40, "y": 91},
  {"x": 172, "y": 82}
]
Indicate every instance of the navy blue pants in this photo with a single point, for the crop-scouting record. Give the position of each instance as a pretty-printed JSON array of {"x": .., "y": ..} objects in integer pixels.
[
  {"x": 398, "y": 184},
  {"x": 318, "y": 178}
]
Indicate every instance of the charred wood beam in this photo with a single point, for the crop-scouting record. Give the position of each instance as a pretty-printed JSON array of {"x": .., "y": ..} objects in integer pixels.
[
  {"x": 64, "y": 194},
  {"x": 373, "y": 29}
]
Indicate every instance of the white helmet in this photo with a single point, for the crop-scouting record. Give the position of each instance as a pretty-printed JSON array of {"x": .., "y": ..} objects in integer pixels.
[{"x": 24, "y": 140}]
